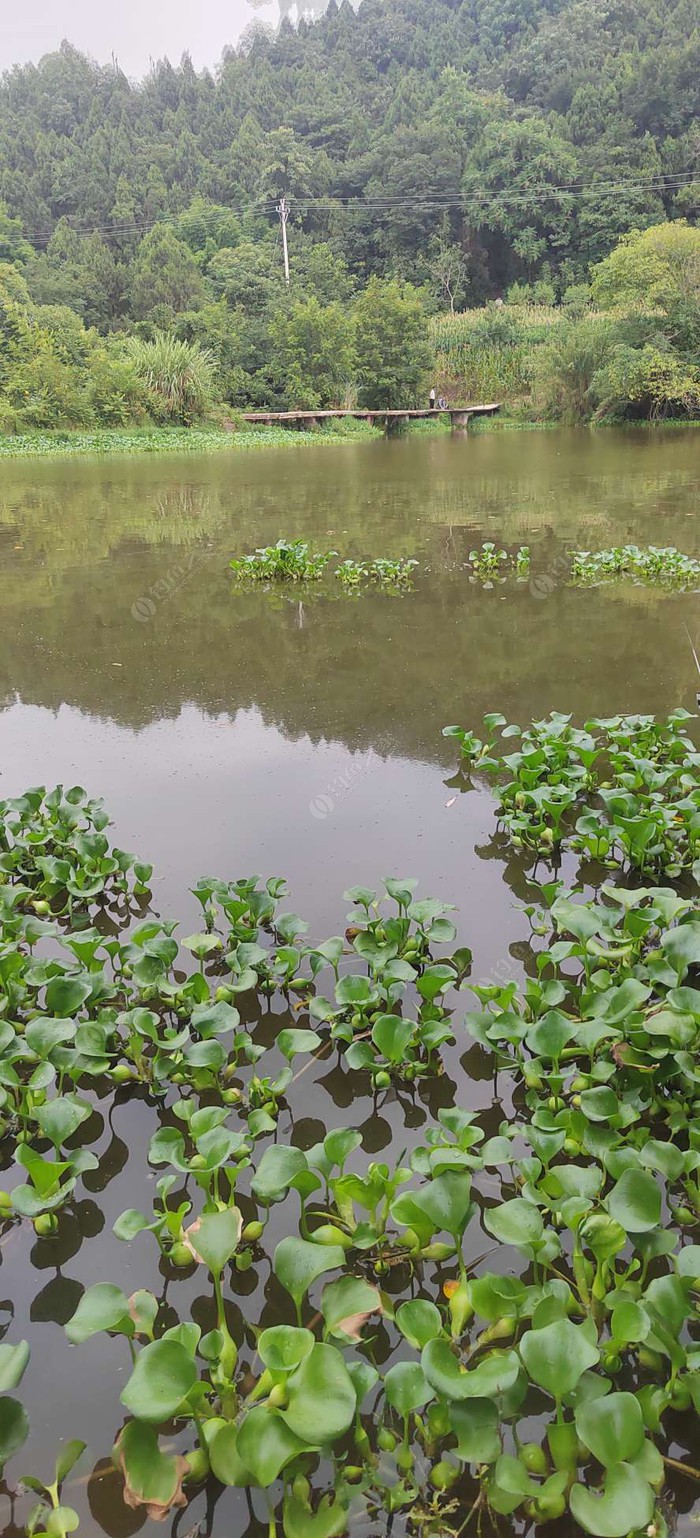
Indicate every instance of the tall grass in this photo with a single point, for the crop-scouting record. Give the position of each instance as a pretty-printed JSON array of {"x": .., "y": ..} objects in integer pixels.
[
  {"x": 488, "y": 354},
  {"x": 179, "y": 375}
]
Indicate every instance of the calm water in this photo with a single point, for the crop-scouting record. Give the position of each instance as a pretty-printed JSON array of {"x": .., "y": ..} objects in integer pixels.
[{"x": 236, "y": 732}]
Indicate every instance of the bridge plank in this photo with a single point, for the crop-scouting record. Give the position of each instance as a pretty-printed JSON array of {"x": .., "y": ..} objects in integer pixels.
[{"x": 369, "y": 414}]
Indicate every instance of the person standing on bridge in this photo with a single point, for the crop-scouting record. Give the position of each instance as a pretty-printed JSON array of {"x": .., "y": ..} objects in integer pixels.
[{"x": 431, "y": 398}]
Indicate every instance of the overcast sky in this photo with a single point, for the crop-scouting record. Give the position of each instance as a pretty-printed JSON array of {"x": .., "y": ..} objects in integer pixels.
[{"x": 135, "y": 30}]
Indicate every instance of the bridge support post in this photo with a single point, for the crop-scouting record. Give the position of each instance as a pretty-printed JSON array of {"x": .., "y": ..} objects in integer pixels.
[{"x": 460, "y": 421}]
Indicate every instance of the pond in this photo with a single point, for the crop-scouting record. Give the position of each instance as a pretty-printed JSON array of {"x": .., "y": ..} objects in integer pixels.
[{"x": 299, "y": 735}]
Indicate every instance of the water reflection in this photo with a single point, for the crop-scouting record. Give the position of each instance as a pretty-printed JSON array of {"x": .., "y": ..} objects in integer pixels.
[{"x": 220, "y": 727}]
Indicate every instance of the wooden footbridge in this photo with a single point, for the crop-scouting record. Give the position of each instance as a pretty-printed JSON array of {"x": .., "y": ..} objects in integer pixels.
[{"x": 389, "y": 420}]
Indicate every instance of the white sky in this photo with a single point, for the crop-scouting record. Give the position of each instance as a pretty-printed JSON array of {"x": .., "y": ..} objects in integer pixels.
[{"x": 137, "y": 31}]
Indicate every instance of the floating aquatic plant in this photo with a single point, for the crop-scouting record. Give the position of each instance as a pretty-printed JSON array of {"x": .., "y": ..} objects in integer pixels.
[
  {"x": 624, "y": 790},
  {"x": 653, "y": 565},
  {"x": 287, "y": 561},
  {"x": 406, "y": 1369},
  {"x": 489, "y": 564}
]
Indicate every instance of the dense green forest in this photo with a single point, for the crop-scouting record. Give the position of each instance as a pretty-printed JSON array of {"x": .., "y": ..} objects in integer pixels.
[{"x": 437, "y": 157}]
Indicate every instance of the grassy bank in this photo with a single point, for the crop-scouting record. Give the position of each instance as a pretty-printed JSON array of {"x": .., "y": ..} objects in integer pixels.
[
  {"x": 569, "y": 363},
  {"x": 174, "y": 440}
]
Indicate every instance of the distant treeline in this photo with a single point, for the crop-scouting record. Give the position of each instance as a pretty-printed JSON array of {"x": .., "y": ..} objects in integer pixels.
[{"x": 438, "y": 157}]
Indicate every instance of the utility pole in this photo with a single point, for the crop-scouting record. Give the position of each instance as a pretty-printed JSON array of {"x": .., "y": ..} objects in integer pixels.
[{"x": 283, "y": 211}]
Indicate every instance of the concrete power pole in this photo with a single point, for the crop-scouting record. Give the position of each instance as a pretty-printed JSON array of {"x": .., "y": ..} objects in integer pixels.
[{"x": 283, "y": 211}]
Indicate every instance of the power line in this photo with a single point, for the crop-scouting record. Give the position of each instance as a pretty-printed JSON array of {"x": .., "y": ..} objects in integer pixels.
[{"x": 386, "y": 203}]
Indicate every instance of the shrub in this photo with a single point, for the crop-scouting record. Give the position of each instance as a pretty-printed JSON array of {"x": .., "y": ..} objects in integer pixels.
[
  {"x": 646, "y": 382},
  {"x": 179, "y": 376},
  {"x": 564, "y": 369}
]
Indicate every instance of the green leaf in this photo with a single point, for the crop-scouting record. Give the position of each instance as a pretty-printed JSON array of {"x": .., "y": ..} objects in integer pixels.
[
  {"x": 347, "y": 1303},
  {"x": 58, "y": 1119},
  {"x": 627, "y": 1503},
  {"x": 64, "y": 995},
  {"x": 13, "y": 1361},
  {"x": 291, "y": 1042},
  {"x": 277, "y": 1169},
  {"x": 282, "y": 1347},
  {"x": 419, "y": 1321},
  {"x": 476, "y": 1426},
  {"x": 495, "y": 1374},
  {"x": 329, "y": 1520},
  {"x": 550, "y": 1035},
  {"x": 130, "y": 1223},
  {"x": 102, "y": 1307},
  {"x": 629, "y": 1322},
  {"x": 497, "y": 1297},
  {"x": 153, "y": 1479},
  {"x": 266, "y": 1444},
  {"x": 14, "y": 1427},
  {"x": 162, "y": 1377},
  {"x": 321, "y": 1399},
  {"x": 635, "y": 1202},
  {"x": 215, "y": 1238},
  {"x": 515, "y": 1222},
  {"x": 447, "y": 1201},
  {"x": 297, "y": 1263},
  {"x": 226, "y": 1461},
  {"x": 67, "y": 1458},
  {"x": 599, "y": 1104},
  {"x": 688, "y": 1261},
  {"x": 682, "y": 947},
  {"x": 391, "y": 1036},
  {"x": 611, "y": 1428},
  {"x": 352, "y": 989},
  {"x": 407, "y": 1388},
  {"x": 557, "y": 1356}
]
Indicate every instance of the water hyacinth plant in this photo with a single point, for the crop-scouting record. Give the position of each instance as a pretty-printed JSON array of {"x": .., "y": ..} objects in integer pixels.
[
  {"x": 291, "y": 561},
  {"x": 287, "y": 561},
  {"x": 488, "y": 564},
  {"x": 651, "y": 565},
  {"x": 499, "y": 1320},
  {"x": 624, "y": 790}
]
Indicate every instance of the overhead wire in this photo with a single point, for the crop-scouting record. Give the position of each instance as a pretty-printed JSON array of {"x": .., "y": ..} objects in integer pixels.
[{"x": 386, "y": 203}]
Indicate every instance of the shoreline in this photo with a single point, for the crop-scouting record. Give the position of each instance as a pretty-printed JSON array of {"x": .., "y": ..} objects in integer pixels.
[
  {"x": 77, "y": 443},
  {"x": 115, "y": 442}
]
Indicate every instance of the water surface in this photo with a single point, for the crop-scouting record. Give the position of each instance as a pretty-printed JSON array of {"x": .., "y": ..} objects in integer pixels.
[{"x": 301, "y": 735}]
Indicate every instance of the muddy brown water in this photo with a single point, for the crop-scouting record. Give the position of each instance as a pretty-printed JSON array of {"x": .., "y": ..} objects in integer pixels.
[{"x": 300, "y": 736}]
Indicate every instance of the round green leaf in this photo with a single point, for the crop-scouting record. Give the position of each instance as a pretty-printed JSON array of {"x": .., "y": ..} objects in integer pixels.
[
  {"x": 627, "y": 1503},
  {"x": 635, "y": 1202},
  {"x": 497, "y": 1373},
  {"x": 163, "y": 1376},
  {"x": 102, "y": 1307},
  {"x": 611, "y": 1428},
  {"x": 406, "y": 1388},
  {"x": 226, "y": 1462},
  {"x": 557, "y": 1356},
  {"x": 629, "y": 1322},
  {"x": 419, "y": 1321},
  {"x": 283, "y": 1347},
  {"x": 277, "y": 1169},
  {"x": 291, "y": 1042},
  {"x": 347, "y": 1303},
  {"x": 321, "y": 1398},
  {"x": 266, "y": 1444},
  {"x": 215, "y": 1238},
  {"x": 152, "y": 1478},
  {"x": 297, "y": 1263},
  {"x": 476, "y": 1426},
  {"x": 515, "y": 1222}
]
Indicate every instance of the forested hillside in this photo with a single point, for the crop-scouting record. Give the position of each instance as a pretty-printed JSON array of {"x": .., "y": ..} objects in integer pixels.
[{"x": 462, "y": 148}]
